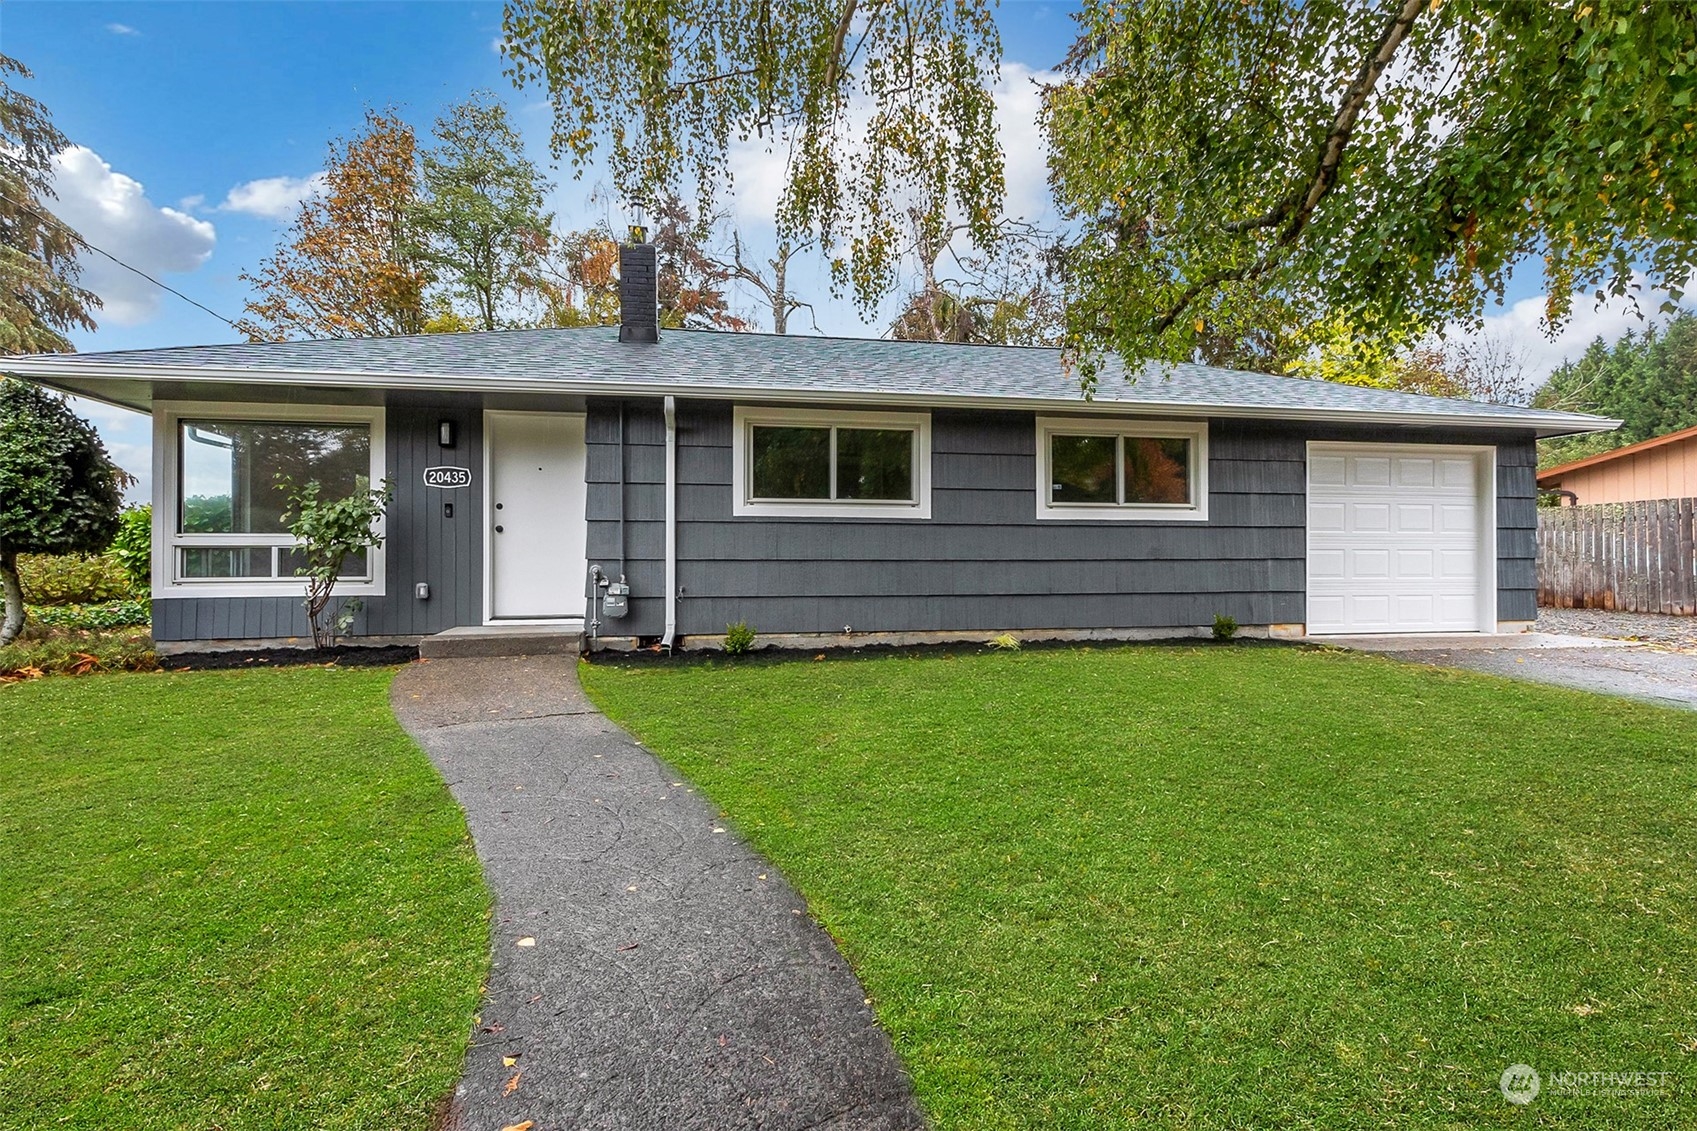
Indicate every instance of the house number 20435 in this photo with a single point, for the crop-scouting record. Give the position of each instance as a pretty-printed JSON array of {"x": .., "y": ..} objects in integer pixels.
[{"x": 447, "y": 477}]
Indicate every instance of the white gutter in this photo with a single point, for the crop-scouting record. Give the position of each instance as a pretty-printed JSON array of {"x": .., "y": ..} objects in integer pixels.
[
  {"x": 1545, "y": 422},
  {"x": 671, "y": 525}
]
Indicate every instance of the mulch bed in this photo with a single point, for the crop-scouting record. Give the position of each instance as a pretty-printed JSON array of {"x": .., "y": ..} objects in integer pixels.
[{"x": 343, "y": 655}]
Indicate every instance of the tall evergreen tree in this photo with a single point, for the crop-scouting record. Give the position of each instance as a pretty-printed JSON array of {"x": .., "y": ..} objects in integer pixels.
[
  {"x": 40, "y": 300},
  {"x": 1647, "y": 381}
]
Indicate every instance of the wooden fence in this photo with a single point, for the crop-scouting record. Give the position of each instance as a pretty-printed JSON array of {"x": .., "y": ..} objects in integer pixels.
[{"x": 1635, "y": 557}]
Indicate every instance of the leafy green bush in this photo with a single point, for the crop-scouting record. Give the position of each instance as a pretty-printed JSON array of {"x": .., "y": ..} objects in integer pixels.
[
  {"x": 1224, "y": 627},
  {"x": 73, "y": 579},
  {"x": 110, "y": 614},
  {"x": 42, "y": 651},
  {"x": 133, "y": 546},
  {"x": 739, "y": 638}
]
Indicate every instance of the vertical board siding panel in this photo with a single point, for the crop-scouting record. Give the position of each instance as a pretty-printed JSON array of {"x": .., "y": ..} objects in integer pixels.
[{"x": 1634, "y": 557}]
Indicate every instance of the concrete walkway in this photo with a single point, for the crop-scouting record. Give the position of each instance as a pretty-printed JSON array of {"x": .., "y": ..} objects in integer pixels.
[{"x": 650, "y": 970}]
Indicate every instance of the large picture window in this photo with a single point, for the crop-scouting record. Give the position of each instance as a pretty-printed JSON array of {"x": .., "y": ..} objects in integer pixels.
[
  {"x": 224, "y": 531},
  {"x": 820, "y": 464},
  {"x": 1097, "y": 469}
]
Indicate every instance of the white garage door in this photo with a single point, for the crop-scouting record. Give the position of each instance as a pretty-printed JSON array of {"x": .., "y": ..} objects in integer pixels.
[{"x": 1398, "y": 539}]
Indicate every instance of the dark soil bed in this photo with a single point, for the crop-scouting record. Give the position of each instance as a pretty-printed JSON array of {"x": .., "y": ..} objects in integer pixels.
[{"x": 344, "y": 655}]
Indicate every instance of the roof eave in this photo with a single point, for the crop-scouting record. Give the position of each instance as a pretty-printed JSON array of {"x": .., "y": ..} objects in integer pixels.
[
  {"x": 1613, "y": 454},
  {"x": 43, "y": 370}
]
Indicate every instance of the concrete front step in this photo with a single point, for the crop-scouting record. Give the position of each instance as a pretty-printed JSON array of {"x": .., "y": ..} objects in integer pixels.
[{"x": 500, "y": 640}]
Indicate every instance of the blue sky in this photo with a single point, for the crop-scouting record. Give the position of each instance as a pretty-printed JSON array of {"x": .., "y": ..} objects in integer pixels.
[{"x": 198, "y": 124}]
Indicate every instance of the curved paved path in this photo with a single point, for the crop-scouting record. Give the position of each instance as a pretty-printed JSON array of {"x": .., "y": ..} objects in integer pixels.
[{"x": 673, "y": 978}]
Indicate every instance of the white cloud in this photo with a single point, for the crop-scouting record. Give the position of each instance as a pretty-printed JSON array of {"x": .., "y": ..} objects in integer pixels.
[
  {"x": 122, "y": 29},
  {"x": 192, "y": 203},
  {"x": 112, "y": 212},
  {"x": 1522, "y": 328},
  {"x": 275, "y": 198},
  {"x": 1019, "y": 98}
]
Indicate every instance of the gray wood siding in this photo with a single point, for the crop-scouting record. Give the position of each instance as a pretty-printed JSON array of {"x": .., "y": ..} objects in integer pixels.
[
  {"x": 1517, "y": 529},
  {"x": 984, "y": 561},
  {"x": 627, "y": 526},
  {"x": 421, "y": 545}
]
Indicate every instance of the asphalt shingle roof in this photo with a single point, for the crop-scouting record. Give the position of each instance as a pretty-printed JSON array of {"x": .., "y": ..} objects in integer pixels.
[{"x": 704, "y": 363}]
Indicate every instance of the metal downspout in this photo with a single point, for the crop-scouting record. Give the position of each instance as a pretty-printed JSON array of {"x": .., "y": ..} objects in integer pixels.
[{"x": 671, "y": 525}]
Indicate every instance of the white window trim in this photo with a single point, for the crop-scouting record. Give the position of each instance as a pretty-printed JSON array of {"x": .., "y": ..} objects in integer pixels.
[
  {"x": 166, "y": 467},
  {"x": 743, "y": 422},
  {"x": 1194, "y": 431}
]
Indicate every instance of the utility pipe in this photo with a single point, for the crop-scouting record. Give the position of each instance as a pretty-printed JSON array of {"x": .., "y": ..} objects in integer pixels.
[{"x": 671, "y": 632}]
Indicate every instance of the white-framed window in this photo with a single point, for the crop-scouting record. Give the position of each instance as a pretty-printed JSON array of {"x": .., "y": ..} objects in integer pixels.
[
  {"x": 1122, "y": 470},
  {"x": 820, "y": 463},
  {"x": 217, "y": 509}
]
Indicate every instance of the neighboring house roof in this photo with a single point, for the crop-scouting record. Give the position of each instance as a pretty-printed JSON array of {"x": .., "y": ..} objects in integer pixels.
[
  {"x": 592, "y": 361},
  {"x": 1552, "y": 476}
]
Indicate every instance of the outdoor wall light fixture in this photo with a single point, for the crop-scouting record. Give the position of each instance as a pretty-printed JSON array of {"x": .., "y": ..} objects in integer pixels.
[{"x": 445, "y": 433}]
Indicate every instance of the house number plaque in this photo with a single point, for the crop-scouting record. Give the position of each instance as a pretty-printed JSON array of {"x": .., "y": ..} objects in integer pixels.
[{"x": 446, "y": 477}]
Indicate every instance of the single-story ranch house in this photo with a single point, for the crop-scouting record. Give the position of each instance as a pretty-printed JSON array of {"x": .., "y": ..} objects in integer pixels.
[{"x": 830, "y": 489}]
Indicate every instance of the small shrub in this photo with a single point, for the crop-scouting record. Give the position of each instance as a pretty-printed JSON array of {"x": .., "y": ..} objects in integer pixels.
[
  {"x": 329, "y": 530},
  {"x": 109, "y": 614},
  {"x": 1224, "y": 627},
  {"x": 73, "y": 579},
  {"x": 133, "y": 546},
  {"x": 42, "y": 651},
  {"x": 1006, "y": 642},
  {"x": 739, "y": 638}
]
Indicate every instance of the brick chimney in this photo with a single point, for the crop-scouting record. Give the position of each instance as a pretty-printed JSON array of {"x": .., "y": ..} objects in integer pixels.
[{"x": 639, "y": 289}]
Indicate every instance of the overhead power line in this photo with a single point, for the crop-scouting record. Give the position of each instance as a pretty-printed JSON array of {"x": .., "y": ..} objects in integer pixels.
[{"x": 72, "y": 232}]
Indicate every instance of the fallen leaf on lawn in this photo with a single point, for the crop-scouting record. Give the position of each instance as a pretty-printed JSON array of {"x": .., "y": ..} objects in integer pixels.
[
  {"x": 513, "y": 1084},
  {"x": 525, "y": 1126},
  {"x": 526, "y": 941}
]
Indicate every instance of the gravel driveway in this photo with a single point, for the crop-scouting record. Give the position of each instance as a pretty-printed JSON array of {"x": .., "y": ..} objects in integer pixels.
[
  {"x": 1666, "y": 678},
  {"x": 1652, "y": 628},
  {"x": 1661, "y": 668}
]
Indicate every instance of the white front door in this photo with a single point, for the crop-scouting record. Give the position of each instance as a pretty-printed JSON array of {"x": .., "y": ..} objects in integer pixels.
[
  {"x": 1401, "y": 538},
  {"x": 536, "y": 529}
]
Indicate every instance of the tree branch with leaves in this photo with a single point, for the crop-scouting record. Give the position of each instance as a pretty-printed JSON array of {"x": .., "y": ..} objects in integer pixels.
[
  {"x": 1387, "y": 163},
  {"x": 882, "y": 101}
]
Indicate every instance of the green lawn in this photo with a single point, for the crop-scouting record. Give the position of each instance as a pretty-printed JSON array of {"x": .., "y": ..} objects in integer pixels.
[
  {"x": 228, "y": 900},
  {"x": 1221, "y": 887}
]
